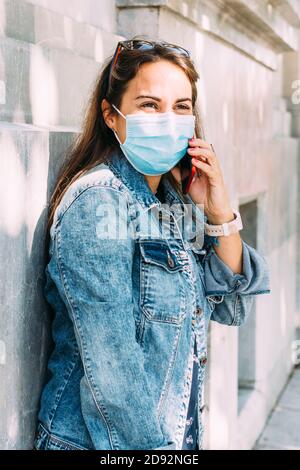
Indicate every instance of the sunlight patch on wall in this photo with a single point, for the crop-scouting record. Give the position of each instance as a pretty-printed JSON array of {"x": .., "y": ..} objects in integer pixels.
[
  {"x": 36, "y": 189},
  {"x": 12, "y": 187},
  {"x": 43, "y": 89}
]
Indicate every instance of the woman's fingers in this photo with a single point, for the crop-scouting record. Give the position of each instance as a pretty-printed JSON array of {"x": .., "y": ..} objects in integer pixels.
[
  {"x": 203, "y": 157},
  {"x": 199, "y": 143},
  {"x": 203, "y": 166},
  {"x": 205, "y": 154}
]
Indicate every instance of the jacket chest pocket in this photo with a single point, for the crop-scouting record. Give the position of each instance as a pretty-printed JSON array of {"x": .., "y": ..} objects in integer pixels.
[{"x": 163, "y": 285}]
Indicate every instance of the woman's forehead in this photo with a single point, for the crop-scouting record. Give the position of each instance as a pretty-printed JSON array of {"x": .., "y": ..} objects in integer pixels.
[{"x": 160, "y": 82}]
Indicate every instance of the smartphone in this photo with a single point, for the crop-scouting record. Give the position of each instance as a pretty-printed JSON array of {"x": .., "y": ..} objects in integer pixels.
[{"x": 187, "y": 169}]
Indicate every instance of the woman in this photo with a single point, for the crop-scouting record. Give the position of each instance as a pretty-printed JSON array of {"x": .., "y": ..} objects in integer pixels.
[{"x": 133, "y": 291}]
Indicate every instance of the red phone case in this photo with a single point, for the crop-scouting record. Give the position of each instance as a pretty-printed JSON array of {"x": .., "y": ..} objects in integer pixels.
[{"x": 192, "y": 174}]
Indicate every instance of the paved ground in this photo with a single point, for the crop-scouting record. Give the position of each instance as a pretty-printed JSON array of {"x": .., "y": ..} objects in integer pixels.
[{"x": 282, "y": 431}]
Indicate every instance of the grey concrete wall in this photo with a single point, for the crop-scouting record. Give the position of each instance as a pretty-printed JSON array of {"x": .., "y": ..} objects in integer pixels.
[
  {"x": 247, "y": 55},
  {"x": 99, "y": 13}
]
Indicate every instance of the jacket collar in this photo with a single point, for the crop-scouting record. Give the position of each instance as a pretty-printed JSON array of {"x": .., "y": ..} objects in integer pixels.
[{"x": 137, "y": 183}]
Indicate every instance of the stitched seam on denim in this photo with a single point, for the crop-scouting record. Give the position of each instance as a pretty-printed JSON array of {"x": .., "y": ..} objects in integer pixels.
[
  {"x": 126, "y": 187},
  {"x": 201, "y": 378},
  {"x": 81, "y": 191},
  {"x": 200, "y": 272},
  {"x": 60, "y": 392},
  {"x": 169, "y": 374},
  {"x": 64, "y": 442},
  {"x": 236, "y": 312},
  {"x": 160, "y": 241},
  {"x": 211, "y": 304},
  {"x": 46, "y": 435},
  {"x": 179, "y": 432},
  {"x": 255, "y": 292},
  {"x": 40, "y": 424},
  {"x": 41, "y": 435},
  {"x": 111, "y": 430},
  {"x": 220, "y": 292},
  {"x": 238, "y": 309},
  {"x": 265, "y": 291},
  {"x": 150, "y": 260},
  {"x": 41, "y": 439},
  {"x": 226, "y": 293},
  {"x": 140, "y": 297},
  {"x": 168, "y": 320},
  {"x": 141, "y": 330}
]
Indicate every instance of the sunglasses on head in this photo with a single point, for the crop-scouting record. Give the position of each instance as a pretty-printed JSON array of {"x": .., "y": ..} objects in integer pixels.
[{"x": 144, "y": 46}]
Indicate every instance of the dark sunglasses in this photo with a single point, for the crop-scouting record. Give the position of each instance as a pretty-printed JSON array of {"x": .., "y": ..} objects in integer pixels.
[{"x": 142, "y": 45}]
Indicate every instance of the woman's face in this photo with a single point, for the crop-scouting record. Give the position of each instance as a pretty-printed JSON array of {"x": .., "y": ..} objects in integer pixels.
[{"x": 157, "y": 88}]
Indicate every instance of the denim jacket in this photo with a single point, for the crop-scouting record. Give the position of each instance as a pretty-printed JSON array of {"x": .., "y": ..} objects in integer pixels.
[{"x": 127, "y": 310}]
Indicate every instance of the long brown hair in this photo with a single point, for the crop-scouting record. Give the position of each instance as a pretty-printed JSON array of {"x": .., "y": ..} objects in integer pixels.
[{"x": 96, "y": 140}]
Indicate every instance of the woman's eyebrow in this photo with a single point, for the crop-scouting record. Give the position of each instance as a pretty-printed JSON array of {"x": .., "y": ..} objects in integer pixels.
[
  {"x": 159, "y": 99},
  {"x": 183, "y": 99}
]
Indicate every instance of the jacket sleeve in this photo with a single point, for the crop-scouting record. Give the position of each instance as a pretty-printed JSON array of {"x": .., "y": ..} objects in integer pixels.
[
  {"x": 96, "y": 275},
  {"x": 231, "y": 295}
]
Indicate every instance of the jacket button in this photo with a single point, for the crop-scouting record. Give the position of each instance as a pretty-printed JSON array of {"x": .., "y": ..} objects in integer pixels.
[
  {"x": 203, "y": 361},
  {"x": 198, "y": 311}
]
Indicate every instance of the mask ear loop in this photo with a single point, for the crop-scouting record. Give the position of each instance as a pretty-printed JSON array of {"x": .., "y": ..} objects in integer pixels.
[
  {"x": 118, "y": 111},
  {"x": 116, "y": 135}
]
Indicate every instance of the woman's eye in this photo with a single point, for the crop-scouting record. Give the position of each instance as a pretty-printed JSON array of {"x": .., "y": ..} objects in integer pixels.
[
  {"x": 183, "y": 106},
  {"x": 145, "y": 104},
  {"x": 149, "y": 104}
]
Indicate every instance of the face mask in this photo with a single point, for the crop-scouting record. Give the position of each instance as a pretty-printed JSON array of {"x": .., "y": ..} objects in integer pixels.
[{"x": 156, "y": 142}]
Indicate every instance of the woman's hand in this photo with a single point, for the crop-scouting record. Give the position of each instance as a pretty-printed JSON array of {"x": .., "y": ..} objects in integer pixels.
[{"x": 208, "y": 186}]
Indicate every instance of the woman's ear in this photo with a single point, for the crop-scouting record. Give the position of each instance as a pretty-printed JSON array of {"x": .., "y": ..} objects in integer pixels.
[{"x": 108, "y": 114}]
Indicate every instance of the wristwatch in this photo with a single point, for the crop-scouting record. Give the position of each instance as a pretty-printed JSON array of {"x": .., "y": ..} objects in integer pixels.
[{"x": 225, "y": 229}]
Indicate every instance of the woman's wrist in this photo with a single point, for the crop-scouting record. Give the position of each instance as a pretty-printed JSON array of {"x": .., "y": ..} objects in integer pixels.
[{"x": 218, "y": 219}]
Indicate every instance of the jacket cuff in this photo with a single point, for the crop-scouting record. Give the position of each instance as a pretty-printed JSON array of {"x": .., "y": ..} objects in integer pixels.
[{"x": 220, "y": 279}]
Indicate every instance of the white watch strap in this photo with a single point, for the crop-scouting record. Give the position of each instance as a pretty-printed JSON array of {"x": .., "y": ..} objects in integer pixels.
[{"x": 225, "y": 229}]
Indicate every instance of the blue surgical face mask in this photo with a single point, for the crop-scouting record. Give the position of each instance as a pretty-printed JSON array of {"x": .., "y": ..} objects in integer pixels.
[{"x": 156, "y": 142}]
